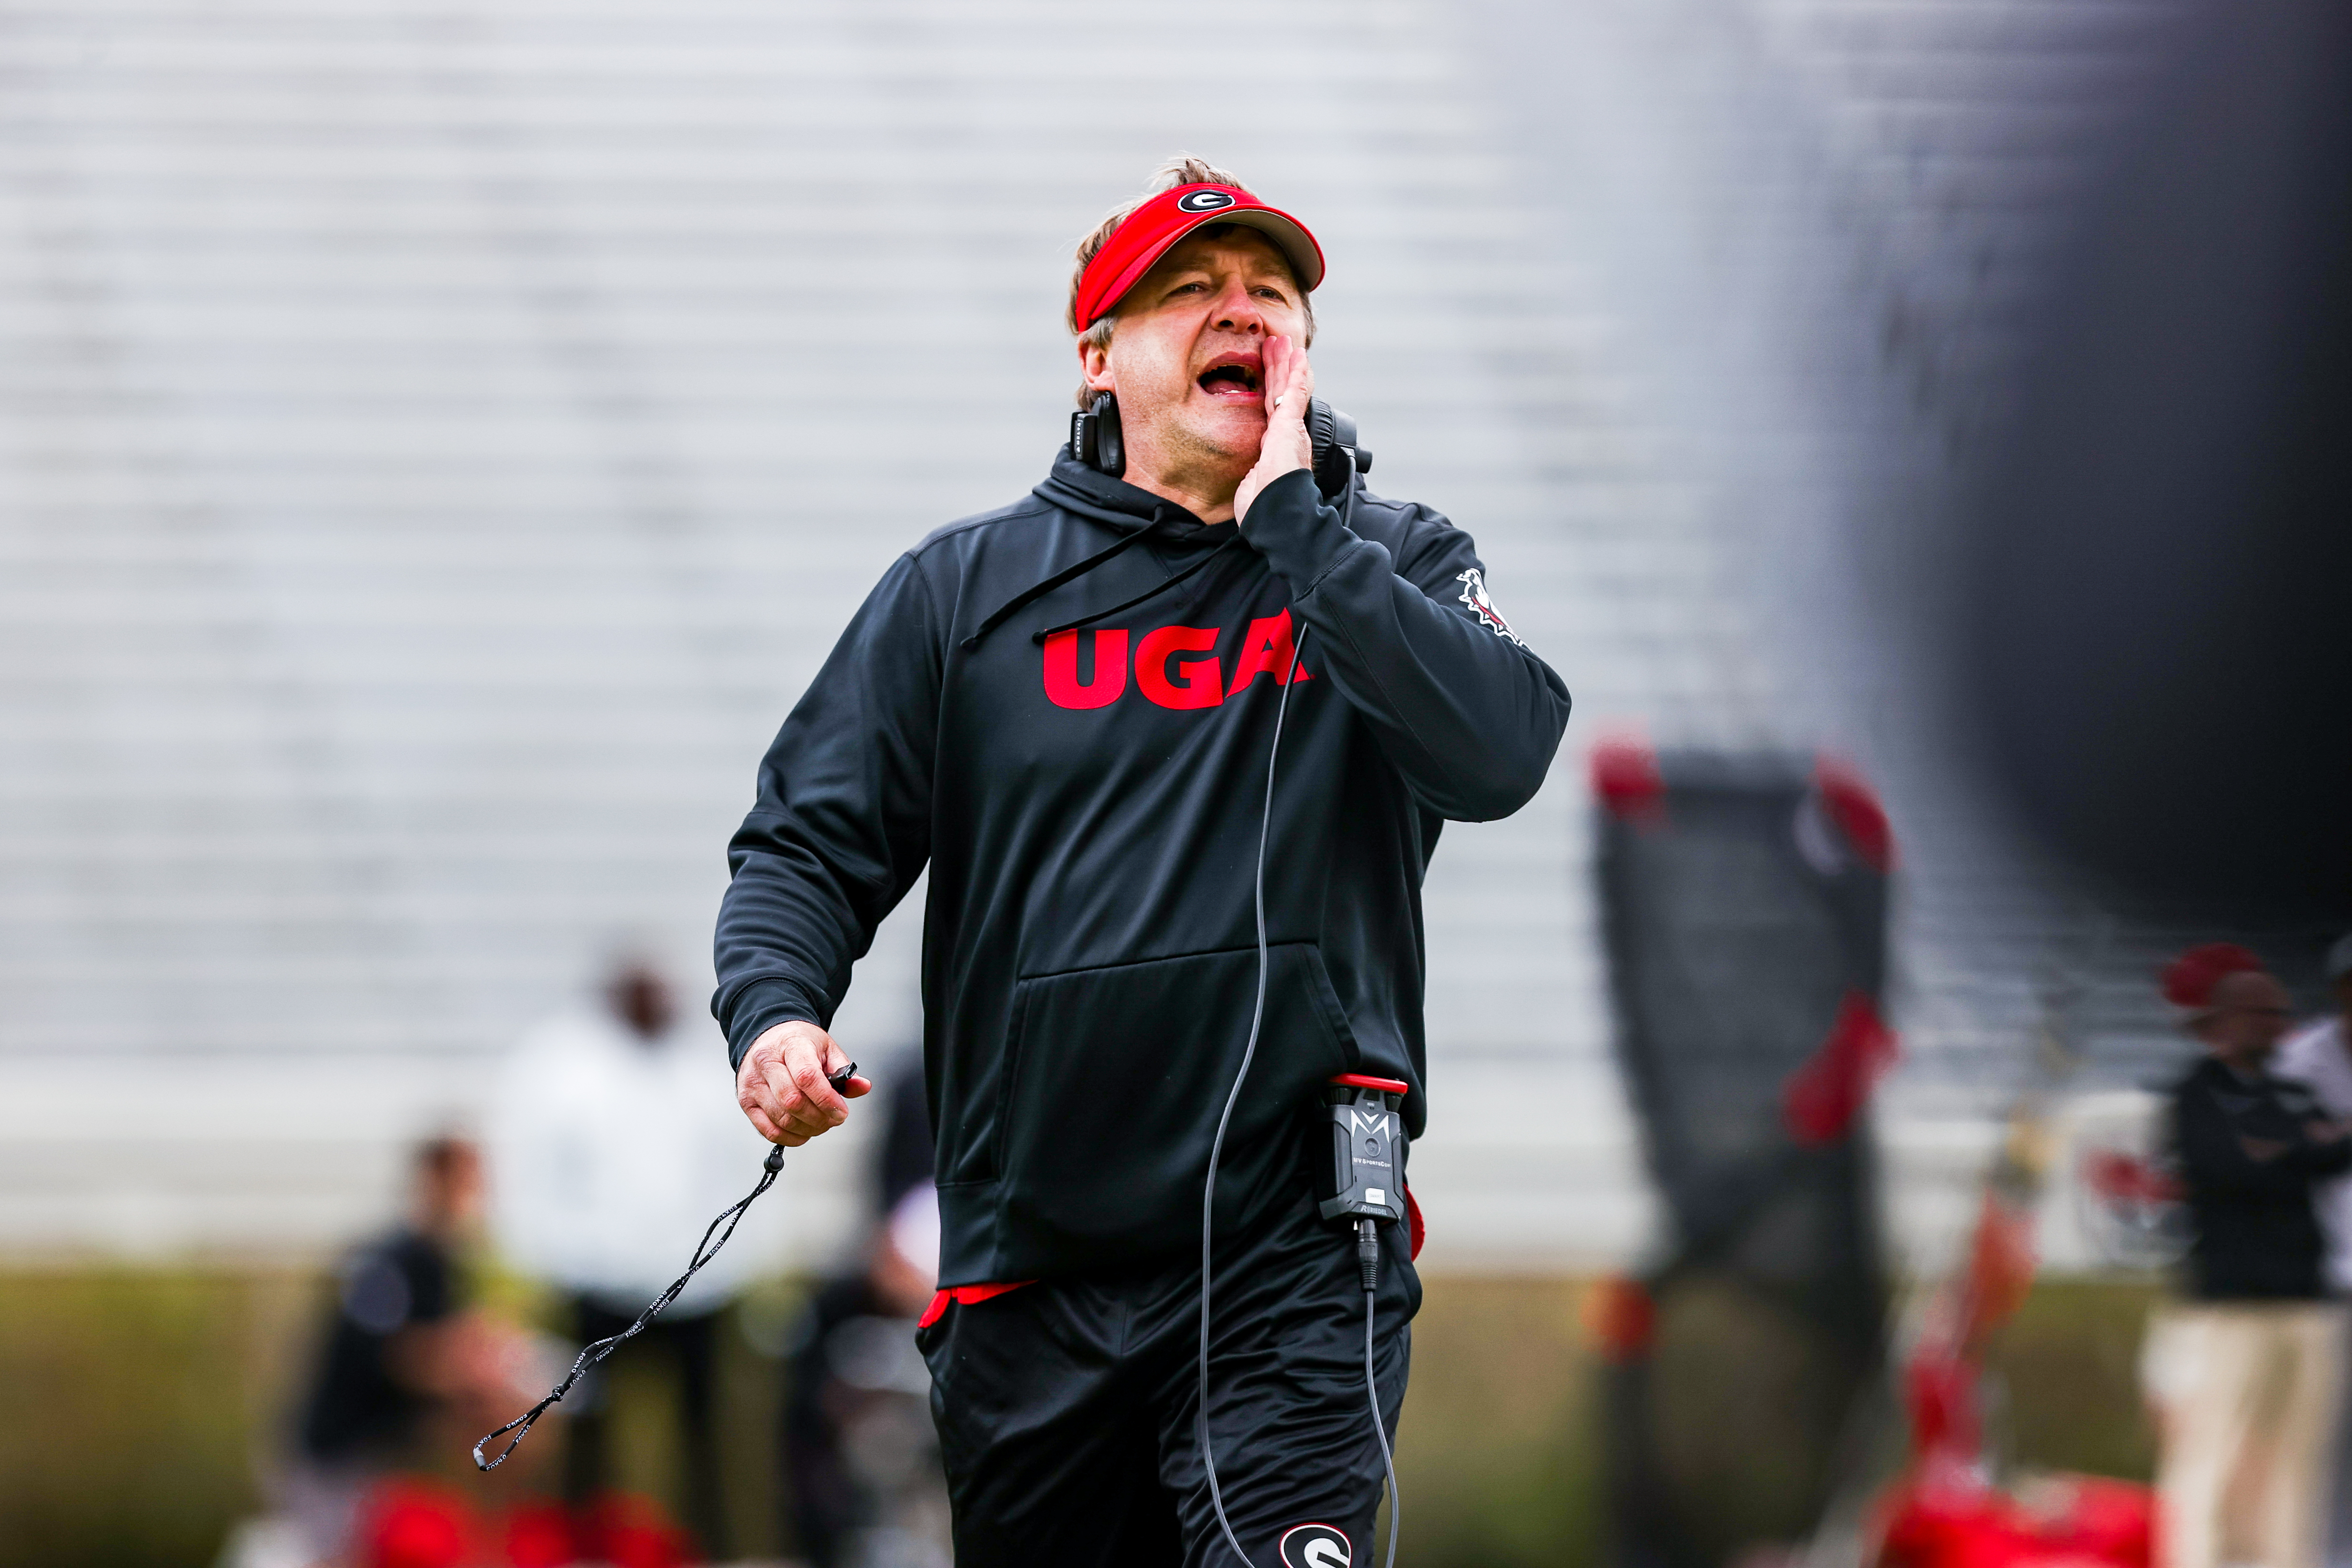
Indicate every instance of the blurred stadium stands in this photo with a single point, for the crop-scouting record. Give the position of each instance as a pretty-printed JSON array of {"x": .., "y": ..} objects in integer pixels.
[{"x": 438, "y": 441}]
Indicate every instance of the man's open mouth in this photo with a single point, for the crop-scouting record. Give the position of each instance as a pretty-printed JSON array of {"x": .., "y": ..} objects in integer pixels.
[{"x": 1231, "y": 377}]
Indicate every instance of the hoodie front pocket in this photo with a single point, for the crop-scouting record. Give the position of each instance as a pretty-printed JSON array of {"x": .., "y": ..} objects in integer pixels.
[{"x": 1117, "y": 1080}]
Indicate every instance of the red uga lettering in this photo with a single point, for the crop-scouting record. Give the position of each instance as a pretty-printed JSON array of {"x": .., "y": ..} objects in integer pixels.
[
  {"x": 1266, "y": 648},
  {"x": 1197, "y": 683},
  {"x": 1175, "y": 667},
  {"x": 1062, "y": 684}
]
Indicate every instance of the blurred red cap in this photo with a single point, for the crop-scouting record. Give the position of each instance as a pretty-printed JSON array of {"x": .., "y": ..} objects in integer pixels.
[{"x": 2188, "y": 980}]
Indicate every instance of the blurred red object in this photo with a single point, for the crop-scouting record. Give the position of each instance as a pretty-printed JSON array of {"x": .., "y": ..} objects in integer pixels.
[
  {"x": 1941, "y": 1395},
  {"x": 539, "y": 1535},
  {"x": 631, "y": 1532},
  {"x": 1853, "y": 806},
  {"x": 2066, "y": 1520},
  {"x": 1621, "y": 1317},
  {"x": 2108, "y": 1521},
  {"x": 2124, "y": 1178},
  {"x": 2188, "y": 980},
  {"x": 1823, "y": 1096},
  {"x": 1945, "y": 1511},
  {"x": 2001, "y": 1264},
  {"x": 410, "y": 1522},
  {"x": 1626, "y": 776}
]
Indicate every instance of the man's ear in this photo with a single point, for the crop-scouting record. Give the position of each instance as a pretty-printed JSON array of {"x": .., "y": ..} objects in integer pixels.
[{"x": 1094, "y": 367}]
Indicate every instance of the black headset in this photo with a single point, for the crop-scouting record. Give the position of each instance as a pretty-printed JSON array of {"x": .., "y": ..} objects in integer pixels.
[{"x": 1096, "y": 440}]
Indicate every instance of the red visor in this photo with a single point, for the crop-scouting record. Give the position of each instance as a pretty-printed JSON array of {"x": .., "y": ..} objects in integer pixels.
[{"x": 1139, "y": 242}]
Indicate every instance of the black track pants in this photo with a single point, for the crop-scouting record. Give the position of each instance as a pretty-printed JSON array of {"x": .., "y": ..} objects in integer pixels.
[{"x": 1066, "y": 1409}]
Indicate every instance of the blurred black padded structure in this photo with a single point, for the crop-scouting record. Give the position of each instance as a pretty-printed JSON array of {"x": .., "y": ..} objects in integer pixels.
[
  {"x": 2153, "y": 636},
  {"x": 1745, "y": 903}
]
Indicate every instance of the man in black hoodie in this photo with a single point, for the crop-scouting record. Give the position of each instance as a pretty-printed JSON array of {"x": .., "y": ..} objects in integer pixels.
[
  {"x": 2244, "y": 1373},
  {"x": 1066, "y": 708}
]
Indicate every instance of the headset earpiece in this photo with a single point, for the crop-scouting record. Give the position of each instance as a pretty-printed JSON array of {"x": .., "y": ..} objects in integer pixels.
[
  {"x": 1339, "y": 456},
  {"x": 1095, "y": 437}
]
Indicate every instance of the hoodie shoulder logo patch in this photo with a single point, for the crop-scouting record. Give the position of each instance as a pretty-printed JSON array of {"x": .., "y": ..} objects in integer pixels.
[{"x": 1482, "y": 606}]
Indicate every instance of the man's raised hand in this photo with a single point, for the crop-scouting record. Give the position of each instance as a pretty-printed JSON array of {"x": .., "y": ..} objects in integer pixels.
[
  {"x": 1289, "y": 382},
  {"x": 781, "y": 1084}
]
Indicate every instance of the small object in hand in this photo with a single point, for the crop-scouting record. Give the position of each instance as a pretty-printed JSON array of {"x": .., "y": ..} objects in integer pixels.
[{"x": 840, "y": 1081}]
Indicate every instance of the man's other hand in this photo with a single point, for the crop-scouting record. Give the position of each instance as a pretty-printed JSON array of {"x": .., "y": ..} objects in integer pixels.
[
  {"x": 1289, "y": 384},
  {"x": 781, "y": 1085}
]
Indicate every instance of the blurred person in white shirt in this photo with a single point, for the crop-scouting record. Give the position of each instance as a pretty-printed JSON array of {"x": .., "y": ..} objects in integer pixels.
[
  {"x": 2319, "y": 1056},
  {"x": 614, "y": 1141}
]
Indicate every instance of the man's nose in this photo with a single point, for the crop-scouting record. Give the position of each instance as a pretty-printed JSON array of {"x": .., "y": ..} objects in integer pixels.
[{"x": 1237, "y": 311}]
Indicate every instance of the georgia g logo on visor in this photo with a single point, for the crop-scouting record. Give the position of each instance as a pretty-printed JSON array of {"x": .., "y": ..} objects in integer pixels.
[
  {"x": 1203, "y": 201},
  {"x": 1315, "y": 1546}
]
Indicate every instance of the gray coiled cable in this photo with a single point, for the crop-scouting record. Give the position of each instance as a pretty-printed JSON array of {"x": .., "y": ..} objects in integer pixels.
[{"x": 1208, "y": 1189}]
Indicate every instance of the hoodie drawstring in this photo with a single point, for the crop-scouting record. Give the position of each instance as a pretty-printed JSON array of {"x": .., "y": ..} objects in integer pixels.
[
  {"x": 1233, "y": 538},
  {"x": 1036, "y": 591}
]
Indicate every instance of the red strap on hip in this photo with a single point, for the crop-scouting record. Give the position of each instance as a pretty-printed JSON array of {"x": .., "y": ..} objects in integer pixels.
[
  {"x": 963, "y": 1296},
  {"x": 974, "y": 1295}
]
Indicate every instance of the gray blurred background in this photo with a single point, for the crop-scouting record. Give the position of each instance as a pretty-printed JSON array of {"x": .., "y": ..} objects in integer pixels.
[{"x": 437, "y": 444}]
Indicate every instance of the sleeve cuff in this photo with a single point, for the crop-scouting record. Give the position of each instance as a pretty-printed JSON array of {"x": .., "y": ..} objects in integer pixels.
[
  {"x": 761, "y": 1006},
  {"x": 1300, "y": 537}
]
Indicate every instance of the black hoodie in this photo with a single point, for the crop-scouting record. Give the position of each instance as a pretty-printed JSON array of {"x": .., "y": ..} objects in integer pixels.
[
  {"x": 1089, "y": 805},
  {"x": 2250, "y": 1168}
]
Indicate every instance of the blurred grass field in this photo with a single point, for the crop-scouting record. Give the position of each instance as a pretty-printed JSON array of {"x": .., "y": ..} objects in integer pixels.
[{"x": 134, "y": 1402}]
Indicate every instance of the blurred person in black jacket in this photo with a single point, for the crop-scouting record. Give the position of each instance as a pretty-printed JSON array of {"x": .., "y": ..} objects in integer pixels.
[
  {"x": 2244, "y": 1375},
  {"x": 396, "y": 1349}
]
